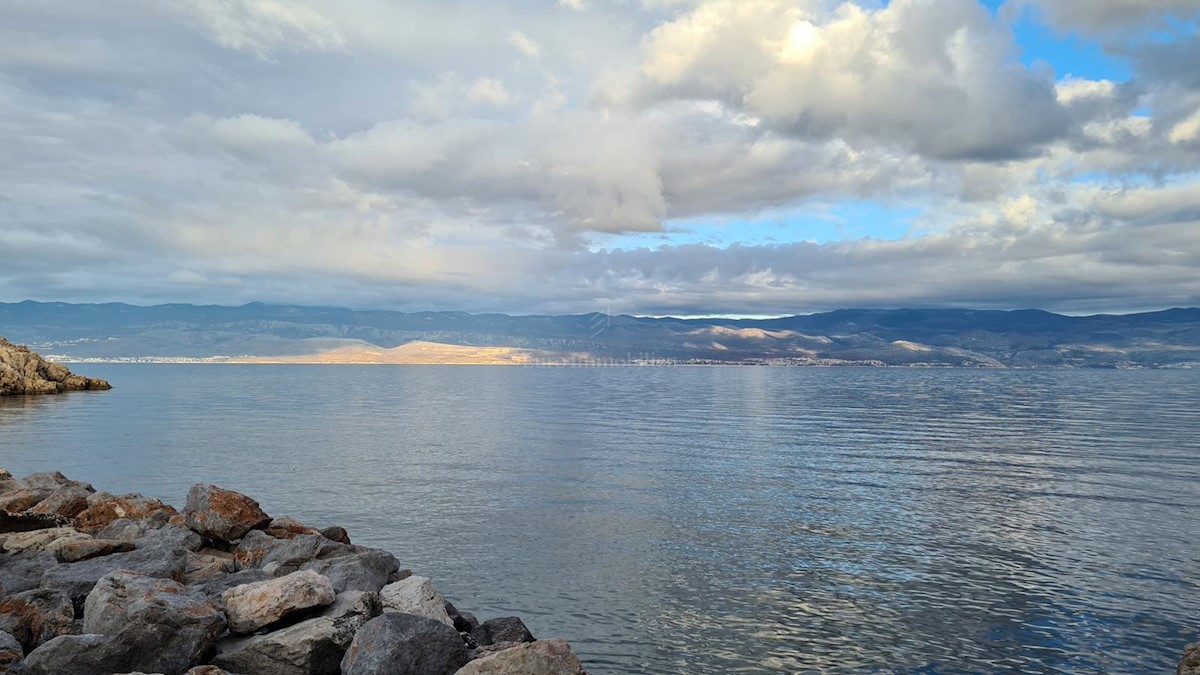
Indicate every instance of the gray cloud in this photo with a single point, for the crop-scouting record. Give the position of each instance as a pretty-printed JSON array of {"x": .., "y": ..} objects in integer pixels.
[{"x": 417, "y": 155}]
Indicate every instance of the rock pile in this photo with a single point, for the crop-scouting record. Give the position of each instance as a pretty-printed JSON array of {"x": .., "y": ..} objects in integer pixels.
[
  {"x": 24, "y": 372},
  {"x": 97, "y": 583}
]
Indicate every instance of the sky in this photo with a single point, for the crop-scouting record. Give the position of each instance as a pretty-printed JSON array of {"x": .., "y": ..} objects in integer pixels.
[{"x": 685, "y": 157}]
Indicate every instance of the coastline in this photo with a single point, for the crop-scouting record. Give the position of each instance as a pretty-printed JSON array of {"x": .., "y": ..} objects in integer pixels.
[{"x": 94, "y": 582}]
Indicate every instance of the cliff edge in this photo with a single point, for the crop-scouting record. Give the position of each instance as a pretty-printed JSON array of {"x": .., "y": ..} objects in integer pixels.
[{"x": 22, "y": 371}]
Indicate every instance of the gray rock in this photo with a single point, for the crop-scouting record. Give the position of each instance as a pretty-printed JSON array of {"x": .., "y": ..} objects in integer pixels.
[
  {"x": 216, "y": 585},
  {"x": 291, "y": 555},
  {"x": 368, "y": 570},
  {"x": 543, "y": 657},
  {"x": 37, "y": 615},
  {"x": 207, "y": 670},
  {"x": 153, "y": 557},
  {"x": 337, "y": 534},
  {"x": 129, "y": 529},
  {"x": 23, "y": 572},
  {"x": 416, "y": 595},
  {"x": 404, "y": 644},
  {"x": 464, "y": 622},
  {"x": 169, "y": 537},
  {"x": 169, "y": 627},
  {"x": 78, "y": 655},
  {"x": 207, "y": 564},
  {"x": 11, "y": 653},
  {"x": 67, "y": 501},
  {"x": 1190, "y": 663},
  {"x": 222, "y": 514},
  {"x": 502, "y": 629},
  {"x": 312, "y": 646},
  {"x": 86, "y": 549},
  {"x": 53, "y": 481},
  {"x": 252, "y": 606}
]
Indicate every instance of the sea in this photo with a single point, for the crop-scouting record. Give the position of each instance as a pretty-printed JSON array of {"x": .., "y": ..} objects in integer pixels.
[{"x": 707, "y": 519}]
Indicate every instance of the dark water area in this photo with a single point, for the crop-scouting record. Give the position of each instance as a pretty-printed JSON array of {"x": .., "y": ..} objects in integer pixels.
[{"x": 707, "y": 520}]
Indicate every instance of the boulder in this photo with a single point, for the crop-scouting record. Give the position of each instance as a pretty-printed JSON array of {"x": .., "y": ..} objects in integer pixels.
[
  {"x": 222, "y": 514},
  {"x": 252, "y": 606},
  {"x": 49, "y": 539},
  {"x": 1190, "y": 663},
  {"x": 206, "y": 564},
  {"x": 53, "y": 481},
  {"x": 104, "y": 509},
  {"x": 169, "y": 627},
  {"x": 79, "y": 655},
  {"x": 502, "y": 629},
  {"x": 23, "y": 572},
  {"x": 404, "y": 644},
  {"x": 217, "y": 584},
  {"x": 287, "y": 556},
  {"x": 86, "y": 549},
  {"x": 314, "y": 646},
  {"x": 17, "y": 501},
  {"x": 22, "y": 371},
  {"x": 416, "y": 595},
  {"x": 11, "y": 653},
  {"x": 253, "y": 548},
  {"x": 128, "y": 529},
  {"x": 35, "y": 616},
  {"x": 67, "y": 501},
  {"x": 207, "y": 670},
  {"x": 289, "y": 528},
  {"x": 337, "y": 534},
  {"x": 367, "y": 570},
  {"x": 161, "y": 555},
  {"x": 543, "y": 657}
]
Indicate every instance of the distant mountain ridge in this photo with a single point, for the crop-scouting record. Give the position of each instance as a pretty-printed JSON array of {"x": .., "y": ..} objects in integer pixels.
[{"x": 915, "y": 337}]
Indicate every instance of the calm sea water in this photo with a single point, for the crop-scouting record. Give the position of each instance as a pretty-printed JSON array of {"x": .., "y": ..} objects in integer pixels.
[{"x": 708, "y": 520}]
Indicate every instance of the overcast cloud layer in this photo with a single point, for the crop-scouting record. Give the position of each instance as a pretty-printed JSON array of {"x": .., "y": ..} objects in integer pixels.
[{"x": 555, "y": 156}]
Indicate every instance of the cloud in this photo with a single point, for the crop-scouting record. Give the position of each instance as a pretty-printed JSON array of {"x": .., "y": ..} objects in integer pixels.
[
  {"x": 937, "y": 78},
  {"x": 261, "y": 26},
  {"x": 524, "y": 44},
  {"x": 404, "y": 155},
  {"x": 1097, "y": 16},
  {"x": 489, "y": 90}
]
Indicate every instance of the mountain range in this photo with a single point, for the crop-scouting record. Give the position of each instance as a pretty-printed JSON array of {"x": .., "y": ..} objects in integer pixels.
[{"x": 902, "y": 337}]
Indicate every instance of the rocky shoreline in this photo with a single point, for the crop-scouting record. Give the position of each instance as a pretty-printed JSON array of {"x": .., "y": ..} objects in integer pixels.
[
  {"x": 92, "y": 583},
  {"x": 22, "y": 371}
]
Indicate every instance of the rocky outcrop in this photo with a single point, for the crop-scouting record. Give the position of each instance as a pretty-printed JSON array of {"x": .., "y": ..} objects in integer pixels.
[
  {"x": 22, "y": 371},
  {"x": 96, "y": 583}
]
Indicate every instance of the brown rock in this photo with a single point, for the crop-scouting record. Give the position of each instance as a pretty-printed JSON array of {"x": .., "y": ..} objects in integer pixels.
[
  {"x": 85, "y": 549},
  {"x": 38, "y": 615},
  {"x": 24, "y": 372},
  {"x": 289, "y": 528},
  {"x": 17, "y": 501},
  {"x": 206, "y": 564},
  {"x": 67, "y": 501},
  {"x": 103, "y": 509},
  {"x": 222, "y": 514},
  {"x": 46, "y": 539}
]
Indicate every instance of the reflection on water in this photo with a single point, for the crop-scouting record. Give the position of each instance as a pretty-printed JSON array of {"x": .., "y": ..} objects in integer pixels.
[{"x": 708, "y": 520}]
